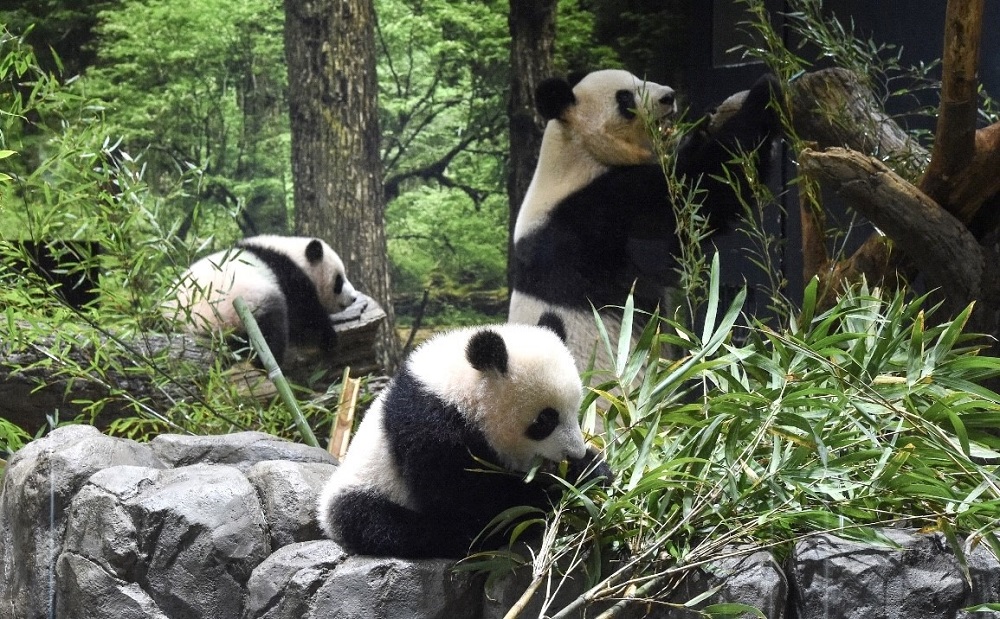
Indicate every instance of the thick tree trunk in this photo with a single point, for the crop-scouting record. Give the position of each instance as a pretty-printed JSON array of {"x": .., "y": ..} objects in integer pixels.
[
  {"x": 532, "y": 37},
  {"x": 330, "y": 49}
]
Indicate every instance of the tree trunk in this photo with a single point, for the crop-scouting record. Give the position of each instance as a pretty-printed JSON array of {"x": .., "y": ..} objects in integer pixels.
[
  {"x": 330, "y": 50},
  {"x": 532, "y": 37}
]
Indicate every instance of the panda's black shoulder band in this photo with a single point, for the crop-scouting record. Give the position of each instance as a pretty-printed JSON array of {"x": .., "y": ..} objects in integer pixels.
[{"x": 486, "y": 350}]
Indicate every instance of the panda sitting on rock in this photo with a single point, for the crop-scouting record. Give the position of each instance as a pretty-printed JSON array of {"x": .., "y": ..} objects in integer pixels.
[
  {"x": 597, "y": 219},
  {"x": 415, "y": 482}
]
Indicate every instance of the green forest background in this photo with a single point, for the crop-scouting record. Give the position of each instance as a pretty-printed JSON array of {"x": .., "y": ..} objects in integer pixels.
[{"x": 191, "y": 96}]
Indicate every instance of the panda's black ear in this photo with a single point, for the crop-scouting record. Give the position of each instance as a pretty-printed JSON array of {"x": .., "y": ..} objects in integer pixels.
[
  {"x": 552, "y": 322},
  {"x": 575, "y": 77},
  {"x": 553, "y": 96},
  {"x": 486, "y": 350},
  {"x": 314, "y": 251}
]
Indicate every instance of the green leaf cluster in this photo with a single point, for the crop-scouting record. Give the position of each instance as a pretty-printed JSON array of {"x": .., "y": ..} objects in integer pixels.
[{"x": 856, "y": 417}]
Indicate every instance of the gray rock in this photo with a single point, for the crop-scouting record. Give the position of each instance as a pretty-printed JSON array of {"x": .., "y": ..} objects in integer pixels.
[
  {"x": 182, "y": 542},
  {"x": 40, "y": 481},
  {"x": 381, "y": 588},
  {"x": 502, "y": 592},
  {"x": 742, "y": 576},
  {"x": 841, "y": 579},
  {"x": 288, "y": 492},
  {"x": 242, "y": 450},
  {"x": 87, "y": 591},
  {"x": 283, "y": 586},
  {"x": 318, "y": 580},
  {"x": 984, "y": 572}
]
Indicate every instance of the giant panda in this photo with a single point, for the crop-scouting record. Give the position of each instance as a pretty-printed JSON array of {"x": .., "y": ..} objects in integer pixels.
[
  {"x": 596, "y": 222},
  {"x": 414, "y": 482},
  {"x": 291, "y": 284}
]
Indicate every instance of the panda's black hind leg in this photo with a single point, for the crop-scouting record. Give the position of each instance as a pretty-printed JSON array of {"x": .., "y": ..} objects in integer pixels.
[
  {"x": 370, "y": 524},
  {"x": 273, "y": 324}
]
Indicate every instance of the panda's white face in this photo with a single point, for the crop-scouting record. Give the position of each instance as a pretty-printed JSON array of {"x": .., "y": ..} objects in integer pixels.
[
  {"x": 525, "y": 395},
  {"x": 318, "y": 260},
  {"x": 613, "y": 114}
]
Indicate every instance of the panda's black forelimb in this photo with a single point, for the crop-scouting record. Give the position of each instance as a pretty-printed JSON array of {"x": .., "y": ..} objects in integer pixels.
[
  {"x": 590, "y": 467},
  {"x": 706, "y": 155},
  {"x": 307, "y": 321},
  {"x": 273, "y": 323},
  {"x": 391, "y": 530}
]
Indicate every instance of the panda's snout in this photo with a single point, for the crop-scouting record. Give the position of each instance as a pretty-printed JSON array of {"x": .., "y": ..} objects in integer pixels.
[{"x": 348, "y": 295}]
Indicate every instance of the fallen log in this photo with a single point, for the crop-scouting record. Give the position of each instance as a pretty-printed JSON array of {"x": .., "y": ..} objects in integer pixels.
[{"x": 78, "y": 369}]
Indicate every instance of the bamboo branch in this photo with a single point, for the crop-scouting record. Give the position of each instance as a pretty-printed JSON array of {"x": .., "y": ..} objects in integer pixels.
[{"x": 274, "y": 371}]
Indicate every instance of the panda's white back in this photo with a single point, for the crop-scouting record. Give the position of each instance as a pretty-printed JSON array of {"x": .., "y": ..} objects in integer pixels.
[{"x": 206, "y": 290}]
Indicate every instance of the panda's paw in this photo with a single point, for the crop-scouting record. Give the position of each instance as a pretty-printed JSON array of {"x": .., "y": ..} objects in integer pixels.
[{"x": 590, "y": 467}]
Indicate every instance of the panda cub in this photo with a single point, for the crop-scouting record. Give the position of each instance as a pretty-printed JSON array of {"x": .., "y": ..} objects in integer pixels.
[
  {"x": 291, "y": 284},
  {"x": 413, "y": 483},
  {"x": 597, "y": 217}
]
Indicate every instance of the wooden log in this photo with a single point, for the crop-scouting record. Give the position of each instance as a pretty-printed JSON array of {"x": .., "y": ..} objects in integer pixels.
[{"x": 66, "y": 375}]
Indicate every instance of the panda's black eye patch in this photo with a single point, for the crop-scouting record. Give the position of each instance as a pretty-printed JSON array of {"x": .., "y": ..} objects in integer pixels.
[
  {"x": 543, "y": 425},
  {"x": 338, "y": 284},
  {"x": 626, "y": 103}
]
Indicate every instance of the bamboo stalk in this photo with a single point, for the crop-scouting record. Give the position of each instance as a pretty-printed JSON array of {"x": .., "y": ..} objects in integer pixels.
[{"x": 274, "y": 371}]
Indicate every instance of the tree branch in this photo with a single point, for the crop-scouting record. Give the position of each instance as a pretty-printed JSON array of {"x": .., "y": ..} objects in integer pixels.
[
  {"x": 831, "y": 107},
  {"x": 955, "y": 135},
  {"x": 938, "y": 243}
]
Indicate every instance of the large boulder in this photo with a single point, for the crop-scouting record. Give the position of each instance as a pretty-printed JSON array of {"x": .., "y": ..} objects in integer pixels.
[
  {"x": 187, "y": 537},
  {"x": 40, "y": 482},
  {"x": 224, "y": 526},
  {"x": 283, "y": 488},
  {"x": 916, "y": 577},
  {"x": 317, "y": 579}
]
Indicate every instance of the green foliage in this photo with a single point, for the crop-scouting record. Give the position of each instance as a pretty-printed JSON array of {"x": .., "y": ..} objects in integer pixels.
[
  {"x": 440, "y": 240},
  {"x": 863, "y": 415},
  {"x": 577, "y": 47},
  {"x": 443, "y": 71},
  {"x": 200, "y": 85},
  {"x": 82, "y": 186}
]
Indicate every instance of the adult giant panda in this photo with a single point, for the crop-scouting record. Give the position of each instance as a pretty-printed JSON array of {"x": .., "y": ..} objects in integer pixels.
[
  {"x": 597, "y": 218},
  {"x": 413, "y": 482},
  {"x": 292, "y": 284}
]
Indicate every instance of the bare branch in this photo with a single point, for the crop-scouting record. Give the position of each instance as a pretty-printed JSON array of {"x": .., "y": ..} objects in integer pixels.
[
  {"x": 937, "y": 243},
  {"x": 954, "y": 138}
]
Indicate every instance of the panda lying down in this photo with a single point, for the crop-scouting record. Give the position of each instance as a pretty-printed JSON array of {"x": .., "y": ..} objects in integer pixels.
[{"x": 413, "y": 483}]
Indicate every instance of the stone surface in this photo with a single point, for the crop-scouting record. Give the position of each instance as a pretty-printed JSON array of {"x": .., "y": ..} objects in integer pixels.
[
  {"x": 740, "y": 575},
  {"x": 841, "y": 579},
  {"x": 288, "y": 492},
  {"x": 317, "y": 580},
  {"x": 283, "y": 586},
  {"x": 241, "y": 449},
  {"x": 383, "y": 588},
  {"x": 188, "y": 538},
  {"x": 40, "y": 481},
  {"x": 502, "y": 592},
  {"x": 97, "y": 527}
]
